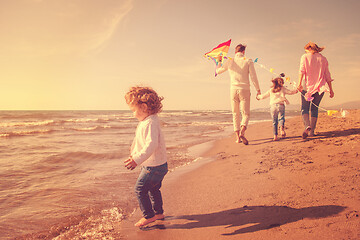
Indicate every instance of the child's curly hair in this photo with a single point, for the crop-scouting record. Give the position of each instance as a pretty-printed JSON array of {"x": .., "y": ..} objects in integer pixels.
[
  {"x": 277, "y": 84},
  {"x": 138, "y": 95}
]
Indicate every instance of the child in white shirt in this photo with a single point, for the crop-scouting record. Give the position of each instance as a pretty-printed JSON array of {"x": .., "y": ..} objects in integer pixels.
[
  {"x": 148, "y": 150},
  {"x": 277, "y": 104}
]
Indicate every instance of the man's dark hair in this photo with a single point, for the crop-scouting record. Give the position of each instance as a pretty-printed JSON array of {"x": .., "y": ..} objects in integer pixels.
[{"x": 240, "y": 48}]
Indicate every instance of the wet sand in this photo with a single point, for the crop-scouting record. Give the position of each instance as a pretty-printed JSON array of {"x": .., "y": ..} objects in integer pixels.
[{"x": 289, "y": 189}]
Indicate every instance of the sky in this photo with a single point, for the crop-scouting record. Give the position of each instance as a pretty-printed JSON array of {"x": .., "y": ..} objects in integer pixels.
[{"x": 86, "y": 54}]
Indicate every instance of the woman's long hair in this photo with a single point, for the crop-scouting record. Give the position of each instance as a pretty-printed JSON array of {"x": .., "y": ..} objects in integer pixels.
[{"x": 312, "y": 47}]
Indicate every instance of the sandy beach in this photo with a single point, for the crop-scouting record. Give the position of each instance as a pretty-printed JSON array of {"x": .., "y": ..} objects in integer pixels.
[{"x": 289, "y": 189}]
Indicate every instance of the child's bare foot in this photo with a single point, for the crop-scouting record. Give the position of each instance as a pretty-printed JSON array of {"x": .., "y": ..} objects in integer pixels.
[
  {"x": 312, "y": 134},
  {"x": 160, "y": 216},
  {"x": 283, "y": 133},
  {"x": 143, "y": 221},
  {"x": 276, "y": 138}
]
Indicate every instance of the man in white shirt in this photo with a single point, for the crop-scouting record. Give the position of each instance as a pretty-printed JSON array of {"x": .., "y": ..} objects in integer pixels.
[{"x": 240, "y": 68}]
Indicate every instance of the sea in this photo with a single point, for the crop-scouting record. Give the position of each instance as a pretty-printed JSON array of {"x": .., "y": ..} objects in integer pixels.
[{"x": 62, "y": 172}]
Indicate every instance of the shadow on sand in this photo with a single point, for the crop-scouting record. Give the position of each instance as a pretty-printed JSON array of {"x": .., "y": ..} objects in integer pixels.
[
  {"x": 254, "y": 218},
  {"x": 339, "y": 133},
  {"x": 321, "y": 135}
]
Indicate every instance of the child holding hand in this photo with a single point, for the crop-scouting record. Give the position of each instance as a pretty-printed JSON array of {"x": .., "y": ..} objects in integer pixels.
[
  {"x": 148, "y": 150},
  {"x": 277, "y": 104}
]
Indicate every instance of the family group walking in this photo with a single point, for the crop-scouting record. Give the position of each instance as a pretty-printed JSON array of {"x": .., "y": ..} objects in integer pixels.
[
  {"x": 314, "y": 72},
  {"x": 148, "y": 148}
]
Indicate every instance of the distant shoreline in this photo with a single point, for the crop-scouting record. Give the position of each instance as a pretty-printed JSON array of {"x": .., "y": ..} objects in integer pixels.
[{"x": 352, "y": 105}]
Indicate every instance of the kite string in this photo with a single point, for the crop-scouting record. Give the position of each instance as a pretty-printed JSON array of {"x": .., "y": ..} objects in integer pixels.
[{"x": 271, "y": 70}]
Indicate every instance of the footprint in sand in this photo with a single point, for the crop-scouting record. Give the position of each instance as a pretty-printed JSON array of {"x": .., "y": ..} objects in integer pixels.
[{"x": 352, "y": 214}]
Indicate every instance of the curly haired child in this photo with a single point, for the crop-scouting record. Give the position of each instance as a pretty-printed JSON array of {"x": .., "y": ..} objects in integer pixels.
[{"x": 148, "y": 150}]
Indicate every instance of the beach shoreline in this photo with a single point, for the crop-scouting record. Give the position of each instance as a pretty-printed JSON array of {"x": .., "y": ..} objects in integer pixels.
[
  {"x": 290, "y": 189},
  {"x": 116, "y": 198}
]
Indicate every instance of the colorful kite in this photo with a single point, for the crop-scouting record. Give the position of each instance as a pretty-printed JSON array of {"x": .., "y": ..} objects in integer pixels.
[{"x": 218, "y": 53}]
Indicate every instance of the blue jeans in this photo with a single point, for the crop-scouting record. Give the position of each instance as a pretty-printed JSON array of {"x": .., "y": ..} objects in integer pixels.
[
  {"x": 277, "y": 112},
  {"x": 307, "y": 106},
  {"x": 147, "y": 189}
]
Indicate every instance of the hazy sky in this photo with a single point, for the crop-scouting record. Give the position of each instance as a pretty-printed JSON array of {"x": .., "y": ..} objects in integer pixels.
[{"x": 85, "y": 54}]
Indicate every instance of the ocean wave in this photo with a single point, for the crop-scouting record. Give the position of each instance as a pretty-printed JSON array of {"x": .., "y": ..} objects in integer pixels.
[
  {"x": 194, "y": 113},
  {"x": 98, "y": 120},
  {"x": 27, "y": 124},
  {"x": 86, "y": 129},
  {"x": 88, "y": 224},
  {"x": 124, "y": 117},
  {"x": 197, "y": 124},
  {"x": 176, "y": 113},
  {"x": 25, "y": 133},
  {"x": 95, "y": 226},
  {"x": 210, "y": 123},
  {"x": 93, "y": 128},
  {"x": 77, "y": 120}
]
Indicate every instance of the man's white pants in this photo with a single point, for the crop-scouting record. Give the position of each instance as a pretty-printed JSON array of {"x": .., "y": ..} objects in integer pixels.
[{"x": 240, "y": 103}]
